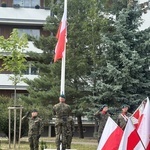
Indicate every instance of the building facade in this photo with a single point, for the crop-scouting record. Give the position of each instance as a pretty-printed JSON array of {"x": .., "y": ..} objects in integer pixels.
[{"x": 27, "y": 16}]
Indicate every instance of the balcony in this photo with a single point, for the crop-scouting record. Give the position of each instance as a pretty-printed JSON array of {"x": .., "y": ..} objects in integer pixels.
[
  {"x": 25, "y": 16},
  {"x": 7, "y": 84}
]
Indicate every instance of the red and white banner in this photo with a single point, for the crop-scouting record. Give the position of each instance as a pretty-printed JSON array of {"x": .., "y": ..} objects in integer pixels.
[
  {"x": 61, "y": 36},
  {"x": 111, "y": 136},
  {"x": 137, "y": 114},
  {"x": 144, "y": 126},
  {"x": 130, "y": 139}
]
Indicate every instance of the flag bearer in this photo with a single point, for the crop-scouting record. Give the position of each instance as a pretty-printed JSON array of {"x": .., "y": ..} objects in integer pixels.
[{"x": 123, "y": 116}]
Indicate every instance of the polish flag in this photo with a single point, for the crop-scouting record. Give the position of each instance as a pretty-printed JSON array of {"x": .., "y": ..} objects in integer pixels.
[
  {"x": 137, "y": 114},
  {"x": 61, "y": 36},
  {"x": 130, "y": 139},
  {"x": 144, "y": 126},
  {"x": 111, "y": 136}
]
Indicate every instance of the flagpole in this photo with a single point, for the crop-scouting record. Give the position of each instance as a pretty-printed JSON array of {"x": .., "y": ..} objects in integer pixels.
[
  {"x": 138, "y": 136},
  {"x": 63, "y": 64},
  {"x": 144, "y": 146}
]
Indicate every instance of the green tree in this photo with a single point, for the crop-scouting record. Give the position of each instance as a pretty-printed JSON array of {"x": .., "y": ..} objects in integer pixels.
[
  {"x": 99, "y": 62},
  {"x": 115, "y": 6},
  {"x": 84, "y": 27},
  {"x": 13, "y": 56},
  {"x": 86, "y": 23},
  {"x": 124, "y": 75},
  {"x": 14, "y": 61}
]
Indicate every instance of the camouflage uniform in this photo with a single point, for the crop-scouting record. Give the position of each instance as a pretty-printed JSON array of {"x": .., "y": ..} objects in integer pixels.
[
  {"x": 122, "y": 120},
  {"x": 101, "y": 119},
  {"x": 62, "y": 112},
  {"x": 34, "y": 131},
  {"x": 70, "y": 131}
]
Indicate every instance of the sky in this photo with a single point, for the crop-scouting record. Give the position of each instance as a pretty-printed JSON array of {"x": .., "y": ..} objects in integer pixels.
[{"x": 146, "y": 20}]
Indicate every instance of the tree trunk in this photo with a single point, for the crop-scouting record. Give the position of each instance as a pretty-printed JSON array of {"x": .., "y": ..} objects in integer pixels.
[{"x": 80, "y": 127}]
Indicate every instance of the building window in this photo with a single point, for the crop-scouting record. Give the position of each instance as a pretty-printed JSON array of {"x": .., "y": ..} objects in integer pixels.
[
  {"x": 31, "y": 69},
  {"x": 27, "y": 3},
  {"x": 31, "y": 32}
]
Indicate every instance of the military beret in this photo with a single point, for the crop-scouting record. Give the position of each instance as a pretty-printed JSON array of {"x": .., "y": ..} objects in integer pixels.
[
  {"x": 34, "y": 110},
  {"x": 125, "y": 105},
  {"x": 104, "y": 105},
  {"x": 62, "y": 96}
]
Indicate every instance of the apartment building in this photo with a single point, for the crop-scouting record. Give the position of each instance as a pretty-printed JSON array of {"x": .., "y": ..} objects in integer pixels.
[{"x": 28, "y": 16}]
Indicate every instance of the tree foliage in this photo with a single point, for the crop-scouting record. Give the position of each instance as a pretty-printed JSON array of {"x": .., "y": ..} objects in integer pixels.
[
  {"x": 124, "y": 74},
  {"x": 12, "y": 54},
  {"x": 107, "y": 59},
  {"x": 13, "y": 50}
]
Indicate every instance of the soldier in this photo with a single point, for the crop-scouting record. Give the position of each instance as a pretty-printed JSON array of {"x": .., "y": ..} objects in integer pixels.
[
  {"x": 70, "y": 131},
  {"x": 123, "y": 116},
  {"x": 101, "y": 116},
  {"x": 62, "y": 112},
  {"x": 35, "y": 129}
]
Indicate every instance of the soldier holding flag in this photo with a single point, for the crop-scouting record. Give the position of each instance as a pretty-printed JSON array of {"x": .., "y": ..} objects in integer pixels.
[{"x": 123, "y": 116}]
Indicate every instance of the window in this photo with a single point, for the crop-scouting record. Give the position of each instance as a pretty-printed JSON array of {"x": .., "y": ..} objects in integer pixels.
[
  {"x": 31, "y": 69},
  {"x": 31, "y": 32},
  {"x": 20, "y": 2},
  {"x": 27, "y": 3}
]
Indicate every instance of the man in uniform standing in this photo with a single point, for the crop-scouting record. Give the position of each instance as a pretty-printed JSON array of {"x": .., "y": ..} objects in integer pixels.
[
  {"x": 62, "y": 111},
  {"x": 35, "y": 129},
  {"x": 123, "y": 116},
  {"x": 101, "y": 116}
]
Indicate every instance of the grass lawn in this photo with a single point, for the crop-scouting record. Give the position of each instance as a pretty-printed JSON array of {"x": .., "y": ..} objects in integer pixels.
[{"x": 78, "y": 144}]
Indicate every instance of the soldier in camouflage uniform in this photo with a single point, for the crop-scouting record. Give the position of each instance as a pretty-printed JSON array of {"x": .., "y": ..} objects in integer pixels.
[
  {"x": 123, "y": 117},
  {"x": 62, "y": 112},
  {"x": 35, "y": 129},
  {"x": 101, "y": 117},
  {"x": 70, "y": 131}
]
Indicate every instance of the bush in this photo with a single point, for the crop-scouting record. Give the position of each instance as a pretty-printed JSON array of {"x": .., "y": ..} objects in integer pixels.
[
  {"x": 6, "y": 102},
  {"x": 43, "y": 145}
]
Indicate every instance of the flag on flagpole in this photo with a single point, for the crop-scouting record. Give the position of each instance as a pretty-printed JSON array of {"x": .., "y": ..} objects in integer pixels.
[
  {"x": 130, "y": 139},
  {"x": 137, "y": 114},
  {"x": 144, "y": 126},
  {"x": 111, "y": 136},
  {"x": 61, "y": 36}
]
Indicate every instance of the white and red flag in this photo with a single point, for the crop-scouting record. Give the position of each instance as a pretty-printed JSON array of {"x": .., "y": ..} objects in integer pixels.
[
  {"x": 61, "y": 35},
  {"x": 137, "y": 114},
  {"x": 111, "y": 136},
  {"x": 144, "y": 126},
  {"x": 130, "y": 139}
]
